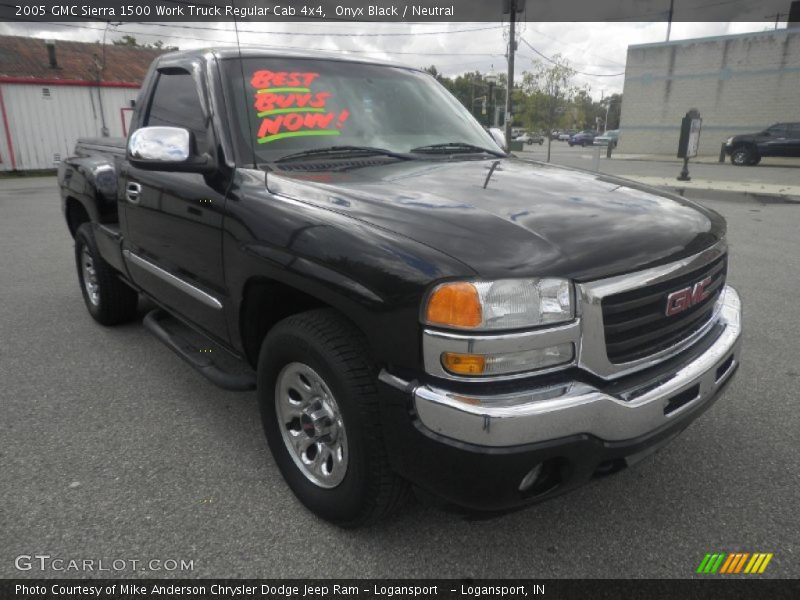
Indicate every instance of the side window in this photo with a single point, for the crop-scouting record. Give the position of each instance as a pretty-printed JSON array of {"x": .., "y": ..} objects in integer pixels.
[
  {"x": 777, "y": 131},
  {"x": 794, "y": 130},
  {"x": 175, "y": 103}
]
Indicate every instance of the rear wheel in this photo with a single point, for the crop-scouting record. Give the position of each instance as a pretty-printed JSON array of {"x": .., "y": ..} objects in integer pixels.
[
  {"x": 744, "y": 155},
  {"x": 108, "y": 299},
  {"x": 319, "y": 409}
]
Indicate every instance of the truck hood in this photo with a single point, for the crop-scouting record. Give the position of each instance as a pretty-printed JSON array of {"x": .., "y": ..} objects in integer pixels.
[{"x": 513, "y": 218}]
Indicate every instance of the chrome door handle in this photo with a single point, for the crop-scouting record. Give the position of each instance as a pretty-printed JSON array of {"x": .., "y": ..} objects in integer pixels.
[{"x": 132, "y": 191}]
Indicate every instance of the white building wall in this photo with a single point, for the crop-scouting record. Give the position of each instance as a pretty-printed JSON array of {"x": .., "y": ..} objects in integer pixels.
[
  {"x": 44, "y": 128},
  {"x": 739, "y": 83}
]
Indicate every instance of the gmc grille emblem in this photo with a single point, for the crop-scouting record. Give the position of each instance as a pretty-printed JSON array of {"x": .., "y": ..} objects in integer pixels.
[{"x": 679, "y": 301}]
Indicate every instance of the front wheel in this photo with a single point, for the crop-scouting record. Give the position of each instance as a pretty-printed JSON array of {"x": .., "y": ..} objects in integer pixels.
[
  {"x": 319, "y": 408},
  {"x": 108, "y": 299},
  {"x": 743, "y": 156}
]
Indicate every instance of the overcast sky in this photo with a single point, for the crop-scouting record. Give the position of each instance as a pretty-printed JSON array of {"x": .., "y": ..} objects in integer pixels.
[{"x": 594, "y": 48}]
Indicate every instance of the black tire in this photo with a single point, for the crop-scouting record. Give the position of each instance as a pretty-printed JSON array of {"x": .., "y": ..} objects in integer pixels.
[
  {"x": 335, "y": 350},
  {"x": 541, "y": 142},
  {"x": 743, "y": 156},
  {"x": 113, "y": 301}
]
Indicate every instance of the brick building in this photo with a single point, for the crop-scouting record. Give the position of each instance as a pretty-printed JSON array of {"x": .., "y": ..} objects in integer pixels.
[{"x": 739, "y": 83}]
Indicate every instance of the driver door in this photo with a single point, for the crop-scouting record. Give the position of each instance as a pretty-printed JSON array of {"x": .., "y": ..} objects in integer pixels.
[{"x": 173, "y": 235}]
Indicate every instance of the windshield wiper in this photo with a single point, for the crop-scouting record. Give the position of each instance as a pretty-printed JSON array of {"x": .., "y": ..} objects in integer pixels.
[
  {"x": 456, "y": 147},
  {"x": 345, "y": 151}
]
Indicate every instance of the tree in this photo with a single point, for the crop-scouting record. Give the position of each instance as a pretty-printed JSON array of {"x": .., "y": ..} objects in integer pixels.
[
  {"x": 613, "y": 104},
  {"x": 552, "y": 81},
  {"x": 546, "y": 97},
  {"x": 129, "y": 40}
]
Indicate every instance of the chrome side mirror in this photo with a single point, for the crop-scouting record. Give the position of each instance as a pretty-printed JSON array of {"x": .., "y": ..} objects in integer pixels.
[
  {"x": 165, "y": 149},
  {"x": 163, "y": 144},
  {"x": 499, "y": 138}
]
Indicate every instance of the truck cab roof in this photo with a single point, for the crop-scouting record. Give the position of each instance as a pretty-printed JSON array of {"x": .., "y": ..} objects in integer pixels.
[{"x": 223, "y": 53}]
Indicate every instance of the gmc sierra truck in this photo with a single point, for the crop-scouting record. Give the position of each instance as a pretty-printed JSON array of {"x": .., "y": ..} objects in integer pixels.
[{"x": 414, "y": 306}]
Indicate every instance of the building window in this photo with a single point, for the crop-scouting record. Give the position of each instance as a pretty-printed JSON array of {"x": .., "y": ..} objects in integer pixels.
[
  {"x": 46, "y": 93},
  {"x": 57, "y": 157}
]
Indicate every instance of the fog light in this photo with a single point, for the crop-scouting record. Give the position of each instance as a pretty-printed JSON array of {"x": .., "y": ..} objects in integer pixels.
[{"x": 529, "y": 479}]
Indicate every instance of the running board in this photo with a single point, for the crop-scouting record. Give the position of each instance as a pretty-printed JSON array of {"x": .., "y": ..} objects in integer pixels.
[{"x": 199, "y": 358}]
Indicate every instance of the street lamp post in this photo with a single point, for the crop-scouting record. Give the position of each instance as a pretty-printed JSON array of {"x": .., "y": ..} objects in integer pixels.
[{"x": 491, "y": 79}]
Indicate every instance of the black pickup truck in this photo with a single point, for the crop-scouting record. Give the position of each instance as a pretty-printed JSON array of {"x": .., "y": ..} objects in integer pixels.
[{"x": 414, "y": 306}]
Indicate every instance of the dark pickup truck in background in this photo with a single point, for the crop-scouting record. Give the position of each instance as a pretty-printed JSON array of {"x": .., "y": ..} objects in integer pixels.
[
  {"x": 781, "y": 139},
  {"x": 412, "y": 304}
]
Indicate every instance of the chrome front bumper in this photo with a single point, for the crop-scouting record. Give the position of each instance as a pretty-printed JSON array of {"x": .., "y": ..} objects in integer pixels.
[{"x": 547, "y": 413}]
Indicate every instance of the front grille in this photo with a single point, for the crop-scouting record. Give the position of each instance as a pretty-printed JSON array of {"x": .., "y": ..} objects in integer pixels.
[{"x": 635, "y": 322}]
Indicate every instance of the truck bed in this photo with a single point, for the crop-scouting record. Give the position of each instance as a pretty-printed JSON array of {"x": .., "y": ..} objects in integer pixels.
[{"x": 105, "y": 145}]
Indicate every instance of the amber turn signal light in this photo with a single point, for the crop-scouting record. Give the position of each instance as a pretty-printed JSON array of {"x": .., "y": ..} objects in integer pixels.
[
  {"x": 464, "y": 364},
  {"x": 454, "y": 305}
]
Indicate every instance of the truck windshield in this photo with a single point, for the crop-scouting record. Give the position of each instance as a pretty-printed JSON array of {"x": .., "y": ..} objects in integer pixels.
[{"x": 285, "y": 106}]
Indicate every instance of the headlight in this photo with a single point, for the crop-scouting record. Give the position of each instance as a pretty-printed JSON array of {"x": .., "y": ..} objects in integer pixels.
[
  {"x": 729, "y": 141},
  {"x": 502, "y": 304}
]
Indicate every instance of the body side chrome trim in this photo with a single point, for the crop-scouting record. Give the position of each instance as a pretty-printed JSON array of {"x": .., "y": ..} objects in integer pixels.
[{"x": 173, "y": 280}]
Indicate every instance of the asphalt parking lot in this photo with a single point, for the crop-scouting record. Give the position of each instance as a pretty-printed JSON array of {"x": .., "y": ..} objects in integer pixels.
[{"x": 112, "y": 447}]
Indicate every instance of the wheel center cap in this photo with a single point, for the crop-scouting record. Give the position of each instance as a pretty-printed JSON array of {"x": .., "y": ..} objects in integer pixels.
[
  {"x": 307, "y": 425},
  {"x": 316, "y": 422}
]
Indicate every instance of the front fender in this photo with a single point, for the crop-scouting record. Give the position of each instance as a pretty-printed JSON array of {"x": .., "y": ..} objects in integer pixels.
[{"x": 375, "y": 277}]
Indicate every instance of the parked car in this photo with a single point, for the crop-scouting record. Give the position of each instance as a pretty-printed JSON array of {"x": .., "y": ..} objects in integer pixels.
[
  {"x": 409, "y": 313},
  {"x": 584, "y": 138},
  {"x": 781, "y": 139},
  {"x": 565, "y": 135},
  {"x": 530, "y": 138},
  {"x": 609, "y": 138}
]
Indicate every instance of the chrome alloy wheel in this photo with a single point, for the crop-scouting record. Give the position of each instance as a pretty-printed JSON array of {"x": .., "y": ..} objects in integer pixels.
[
  {"x": 90, "y": 277},
  {"x": 311, "y": 425}
]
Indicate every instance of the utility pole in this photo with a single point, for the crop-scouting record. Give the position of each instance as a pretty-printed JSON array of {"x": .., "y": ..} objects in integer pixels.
[
  {"x": 669, "y": 21},
  {"x": 777, "y": 18},
  {"x": 512, "y": 7}
]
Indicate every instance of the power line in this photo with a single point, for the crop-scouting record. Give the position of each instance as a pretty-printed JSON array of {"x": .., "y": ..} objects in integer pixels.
[
  {"x": 324, "y": 33},
  {"x": 550, "y": 60},
  {"x": 563, "y": 43},
  {"x": 221, "y": 41}
]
